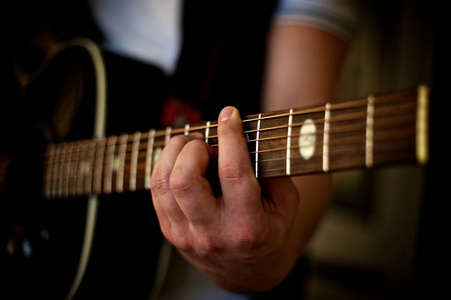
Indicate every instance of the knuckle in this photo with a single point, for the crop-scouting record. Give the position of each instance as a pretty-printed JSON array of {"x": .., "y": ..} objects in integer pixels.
[
  {"x": 159, "y": 184},
  {"x": 179, "y": 182},
  {"x": 247, "y": 238},
  {"x": 209, "y": 243},
  {"x": 231, "y": 171},
  {"x": 182, "y": 241}
]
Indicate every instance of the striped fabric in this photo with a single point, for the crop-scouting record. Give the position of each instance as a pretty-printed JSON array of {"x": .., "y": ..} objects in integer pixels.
[{"x": 338, "y": 17}]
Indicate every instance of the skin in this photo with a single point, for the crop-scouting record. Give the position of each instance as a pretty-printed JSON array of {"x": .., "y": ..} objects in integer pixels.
[{"x": 252, "y": 226}]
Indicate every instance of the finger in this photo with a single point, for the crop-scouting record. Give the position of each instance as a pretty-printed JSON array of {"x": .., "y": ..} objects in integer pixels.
[
  {"x": 189, "y": 186},
  {"x": 164, "y": 201},
  {"x": 239, "y": 186}
]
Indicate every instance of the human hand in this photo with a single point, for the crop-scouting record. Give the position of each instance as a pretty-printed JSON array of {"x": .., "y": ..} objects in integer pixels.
[{"x": 240, "y": 236}]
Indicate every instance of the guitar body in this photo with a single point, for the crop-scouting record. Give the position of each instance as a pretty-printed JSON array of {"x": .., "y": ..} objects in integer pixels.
[{"x": 43, "y": 241}]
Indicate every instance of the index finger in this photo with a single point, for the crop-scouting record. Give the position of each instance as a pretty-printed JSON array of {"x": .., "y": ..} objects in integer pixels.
[{"x": 239, "y": 185}]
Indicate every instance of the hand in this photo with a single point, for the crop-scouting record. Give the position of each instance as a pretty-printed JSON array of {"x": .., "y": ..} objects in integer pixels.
[{"x": 240, "y": 237}]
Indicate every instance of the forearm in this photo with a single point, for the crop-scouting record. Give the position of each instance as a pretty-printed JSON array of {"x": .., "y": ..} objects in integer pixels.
[{"x": 303, "y": 69}]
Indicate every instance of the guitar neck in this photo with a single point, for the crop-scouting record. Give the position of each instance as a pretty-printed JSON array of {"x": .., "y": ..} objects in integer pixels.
[{"x": 363, "y": 133}]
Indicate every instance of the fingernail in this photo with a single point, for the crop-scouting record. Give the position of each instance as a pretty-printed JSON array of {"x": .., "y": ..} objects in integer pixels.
[{"x": 226, "y": 113}]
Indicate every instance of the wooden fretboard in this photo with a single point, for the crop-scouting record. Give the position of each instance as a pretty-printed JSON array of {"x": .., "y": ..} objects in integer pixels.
[{"x": 368, "y": 132}]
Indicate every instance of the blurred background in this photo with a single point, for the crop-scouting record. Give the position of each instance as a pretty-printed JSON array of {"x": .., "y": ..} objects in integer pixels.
[{"x": 383, "y": 235}]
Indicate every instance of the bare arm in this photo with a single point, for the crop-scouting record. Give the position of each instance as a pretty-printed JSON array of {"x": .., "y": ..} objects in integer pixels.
[{"x": 303, "y": 68}]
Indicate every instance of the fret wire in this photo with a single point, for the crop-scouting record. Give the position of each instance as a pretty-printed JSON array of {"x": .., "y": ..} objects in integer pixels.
[
  {"x": 288, "y": 155},
  {"x": 208, "y": 125},
  {"x": 120, "y": 171},
  {"x": 303, "y": 162},
  {"x": 355, "y": 117},
  {"x": 332, "y": 153},
  {"x": 318, "y": 155},
  {"x": 49, "y": 173},
  {"x": 333, "y": 107},
  {"x": 318, "y": 121},
  {"x": 88, "y": 167},
  {"x": 207, "y": 132},
  {"x": 134, "y": 160},
  {"x": 60, "y": 170},
  {"x": 292, "y": 147},
  {"x": 167, "y": 136},
  {"x": 331, "y": 130},
  {"x": 98, "y": 166},
  {"x": 80, "y": 168},
  {"x": 352, "y": 141},
  {"x": 341, "y": 129},
  {"x": 369, "y": 133},
  {"x": 257, "y": 145},
  {"x": 149, "y": 154},
  {"x": 67, "y": 168},
  {"x": 65, "y": 157},
  {"x": 64, "y": 163},
  {"x": 76, "y": 159},
  {"x": 109, "y": 161},
  {"x": 186, "y": 132},
  {"x": 326, "y": 138},
  {"x": 422, "y": 124}
]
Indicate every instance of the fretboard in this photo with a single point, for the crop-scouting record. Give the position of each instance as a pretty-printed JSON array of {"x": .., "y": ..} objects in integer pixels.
[{"x": 363, "y": 133}]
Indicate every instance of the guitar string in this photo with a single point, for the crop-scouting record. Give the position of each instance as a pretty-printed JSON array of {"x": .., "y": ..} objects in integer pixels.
[
  {"x": 262, "y": 161},
  {"x": 307, "y": 166},
  {"x": 333, "y": 120},
  {"x": 395, "y": 99},
  {"x": 356, "y": 117},
  {"x": 108, "y": 157},
  {"x": 272, "y": 128},
  {"x": 194, "y": 128},
  {"x": 141, "y": 165},
  {"x": 334, "y": 108}
]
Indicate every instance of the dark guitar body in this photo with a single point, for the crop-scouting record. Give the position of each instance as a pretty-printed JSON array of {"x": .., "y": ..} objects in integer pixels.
[{"x": 42, "y": 240}]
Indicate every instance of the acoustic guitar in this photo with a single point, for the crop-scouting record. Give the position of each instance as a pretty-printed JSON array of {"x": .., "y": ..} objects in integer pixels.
[{"x": 48, "y": 247}]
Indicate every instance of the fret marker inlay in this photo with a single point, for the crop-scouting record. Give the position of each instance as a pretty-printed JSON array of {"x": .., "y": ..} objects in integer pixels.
[
  {"x": 367, "y": 132},
  {"x": 307, "y": 139}
]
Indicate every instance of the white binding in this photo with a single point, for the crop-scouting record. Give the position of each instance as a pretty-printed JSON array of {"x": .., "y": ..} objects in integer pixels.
[{"x": 99, "y": 131}]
